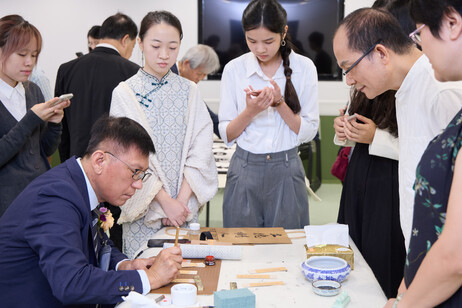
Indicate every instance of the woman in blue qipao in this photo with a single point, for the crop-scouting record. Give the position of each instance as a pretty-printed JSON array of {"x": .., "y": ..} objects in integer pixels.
[{"x": 170, "y": 108}]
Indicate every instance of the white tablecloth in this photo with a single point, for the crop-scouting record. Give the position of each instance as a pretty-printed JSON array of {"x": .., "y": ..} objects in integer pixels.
[{"x": 361, "y": 284}]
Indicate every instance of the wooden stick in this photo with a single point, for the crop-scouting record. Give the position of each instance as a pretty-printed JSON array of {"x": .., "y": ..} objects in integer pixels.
[
  {"x": 264, "y": 284},
  {"x": 252, "y": 276},
  {"x": 189, "y": 264},
  {"x": 176, "y": 235},
  {"x": 183, "y": 280},
  {"x": 268, "y": 270},
  {"x": 184, "y": 272}
]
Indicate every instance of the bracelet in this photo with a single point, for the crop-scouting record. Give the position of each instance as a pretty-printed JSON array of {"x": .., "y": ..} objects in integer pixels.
[
  {"x": 398, "y": 298},
  {"x": 278, "y": 102}
]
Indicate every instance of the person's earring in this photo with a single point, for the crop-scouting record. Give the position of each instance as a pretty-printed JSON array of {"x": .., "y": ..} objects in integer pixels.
[
  {"x": 142, "y": 58},
  {"x": 283, "y": 43}
]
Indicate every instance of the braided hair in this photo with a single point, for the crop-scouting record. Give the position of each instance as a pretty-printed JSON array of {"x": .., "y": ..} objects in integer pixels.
[{"x": 272, "y": 16}]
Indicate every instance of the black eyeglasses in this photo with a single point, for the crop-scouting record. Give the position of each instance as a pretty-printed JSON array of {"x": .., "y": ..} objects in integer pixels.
[
  {"x": 138, "y": 174},
  {"x": 362, "y": 57}
]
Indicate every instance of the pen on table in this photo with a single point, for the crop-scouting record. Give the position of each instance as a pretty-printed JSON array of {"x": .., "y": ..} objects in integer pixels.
[{"x": 176, "y": 235}]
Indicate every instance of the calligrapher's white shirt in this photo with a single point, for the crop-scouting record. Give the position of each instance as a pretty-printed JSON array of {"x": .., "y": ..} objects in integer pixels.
[
  {"x": 267, "y": 132},
  {"x": 424, "y": 107}
]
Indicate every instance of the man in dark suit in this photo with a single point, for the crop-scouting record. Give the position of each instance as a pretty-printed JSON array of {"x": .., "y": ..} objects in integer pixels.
[
  {"x": 51, "y": 249},
  {"x": 91, "y": 78}
]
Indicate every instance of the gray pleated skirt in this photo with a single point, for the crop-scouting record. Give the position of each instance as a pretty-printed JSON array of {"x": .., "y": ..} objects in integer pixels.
[{"x": 265, "y": 190}]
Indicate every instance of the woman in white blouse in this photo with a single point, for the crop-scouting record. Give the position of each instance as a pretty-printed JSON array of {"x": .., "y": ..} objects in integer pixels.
[
  {"x": 268, "y": 107},
  {"x": 29, "y": 128}
]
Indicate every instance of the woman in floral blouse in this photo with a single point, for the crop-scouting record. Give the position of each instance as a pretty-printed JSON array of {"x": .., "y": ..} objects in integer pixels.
[{"x": 433, "y": 271}]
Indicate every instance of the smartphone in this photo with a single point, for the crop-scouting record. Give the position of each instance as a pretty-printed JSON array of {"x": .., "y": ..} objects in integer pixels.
[
  {"x": 79, "y": 54},
  {"x": 62, "y": 98},
  {"x": 351, "y": 118},
  {"x": 156, "y": 242}
]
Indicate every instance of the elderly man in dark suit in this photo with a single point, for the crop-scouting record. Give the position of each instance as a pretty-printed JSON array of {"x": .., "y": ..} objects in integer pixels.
[
  {"x": 91, "y": 78},
  {"x": 52, "y": 252}
]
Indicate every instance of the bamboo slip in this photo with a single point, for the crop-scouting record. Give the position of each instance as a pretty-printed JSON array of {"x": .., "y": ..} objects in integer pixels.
[
  {"x": 253, "y": 276},
  {"x": 185, "y": 272},
  {"x": 183, "y": 280},
  {"x": 190, "y": 264},
  {"x": 268, "y": 270},
  {"x": 264, "y": 284}
]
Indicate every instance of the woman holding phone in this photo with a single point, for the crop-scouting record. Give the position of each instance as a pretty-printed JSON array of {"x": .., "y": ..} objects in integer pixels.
[
  {"x": 30, "y": 129},
  {"x": 170, "y": 108},
  {"x": 268, "y": 106}
]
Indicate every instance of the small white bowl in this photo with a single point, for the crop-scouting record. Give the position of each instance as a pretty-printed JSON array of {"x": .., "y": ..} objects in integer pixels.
[
  {"x": 325, "y": 268},
  {"x": 326, "y": 287}
]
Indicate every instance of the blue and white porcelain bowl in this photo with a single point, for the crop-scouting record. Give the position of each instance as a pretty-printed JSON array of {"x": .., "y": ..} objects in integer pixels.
[
  {"x": 326, "y": 287},
  {"x": 325, "y": 268}
]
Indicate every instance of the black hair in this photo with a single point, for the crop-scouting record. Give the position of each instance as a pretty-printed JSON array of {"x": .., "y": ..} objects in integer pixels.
[
  {"x": 117, "y": 26},
  {"x": 431, "y": 13},
  {"x": 271, "y": 15},
  {"x": 400, "y": 10},
  {"x": 94, "y": 32},
  {"x": 380, "y": 3},
  {"x": 381, "y": 110},
  {"x": 364, "y": 27},
  {"x": 123, "y": 132},
  {"x": 158, "y": 17}
]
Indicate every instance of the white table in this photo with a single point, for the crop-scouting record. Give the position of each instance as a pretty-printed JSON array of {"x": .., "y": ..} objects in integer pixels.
[{"x": 361, "y": 284}]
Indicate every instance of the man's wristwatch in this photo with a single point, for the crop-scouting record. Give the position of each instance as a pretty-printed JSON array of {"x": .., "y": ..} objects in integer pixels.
[{"x": 278, "y": 102}]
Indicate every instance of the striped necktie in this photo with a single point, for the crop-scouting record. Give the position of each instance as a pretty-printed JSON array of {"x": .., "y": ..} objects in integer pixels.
[
  {"x": 94, "y": 231},
  {"x": 100, "y": 245}
]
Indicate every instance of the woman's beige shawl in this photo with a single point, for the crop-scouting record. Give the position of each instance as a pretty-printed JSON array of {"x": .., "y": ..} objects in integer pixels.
[{"x": 197, "y": 160}]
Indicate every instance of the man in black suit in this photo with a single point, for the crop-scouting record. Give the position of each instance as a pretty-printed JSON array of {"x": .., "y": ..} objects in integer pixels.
[{"x": 91, "y": 78}]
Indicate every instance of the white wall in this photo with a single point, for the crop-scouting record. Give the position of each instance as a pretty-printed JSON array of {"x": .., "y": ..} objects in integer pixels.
[{"x": 64, "y": 25}]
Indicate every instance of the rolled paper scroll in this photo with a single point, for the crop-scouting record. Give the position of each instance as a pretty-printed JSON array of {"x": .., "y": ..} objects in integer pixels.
[{"x": 201, "y": 251}]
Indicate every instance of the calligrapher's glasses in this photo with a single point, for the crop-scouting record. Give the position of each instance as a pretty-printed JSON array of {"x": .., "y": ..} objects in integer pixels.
[
  {"x": 362, "y": 57},
  {"x": 138, "y": 174}
]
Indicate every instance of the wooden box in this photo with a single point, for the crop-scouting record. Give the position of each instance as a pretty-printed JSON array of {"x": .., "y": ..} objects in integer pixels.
[{"x": 333, "y": 251}]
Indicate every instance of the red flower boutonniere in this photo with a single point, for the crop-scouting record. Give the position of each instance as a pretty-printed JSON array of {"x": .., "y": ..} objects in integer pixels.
[{"x": 105, "y": 219}]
